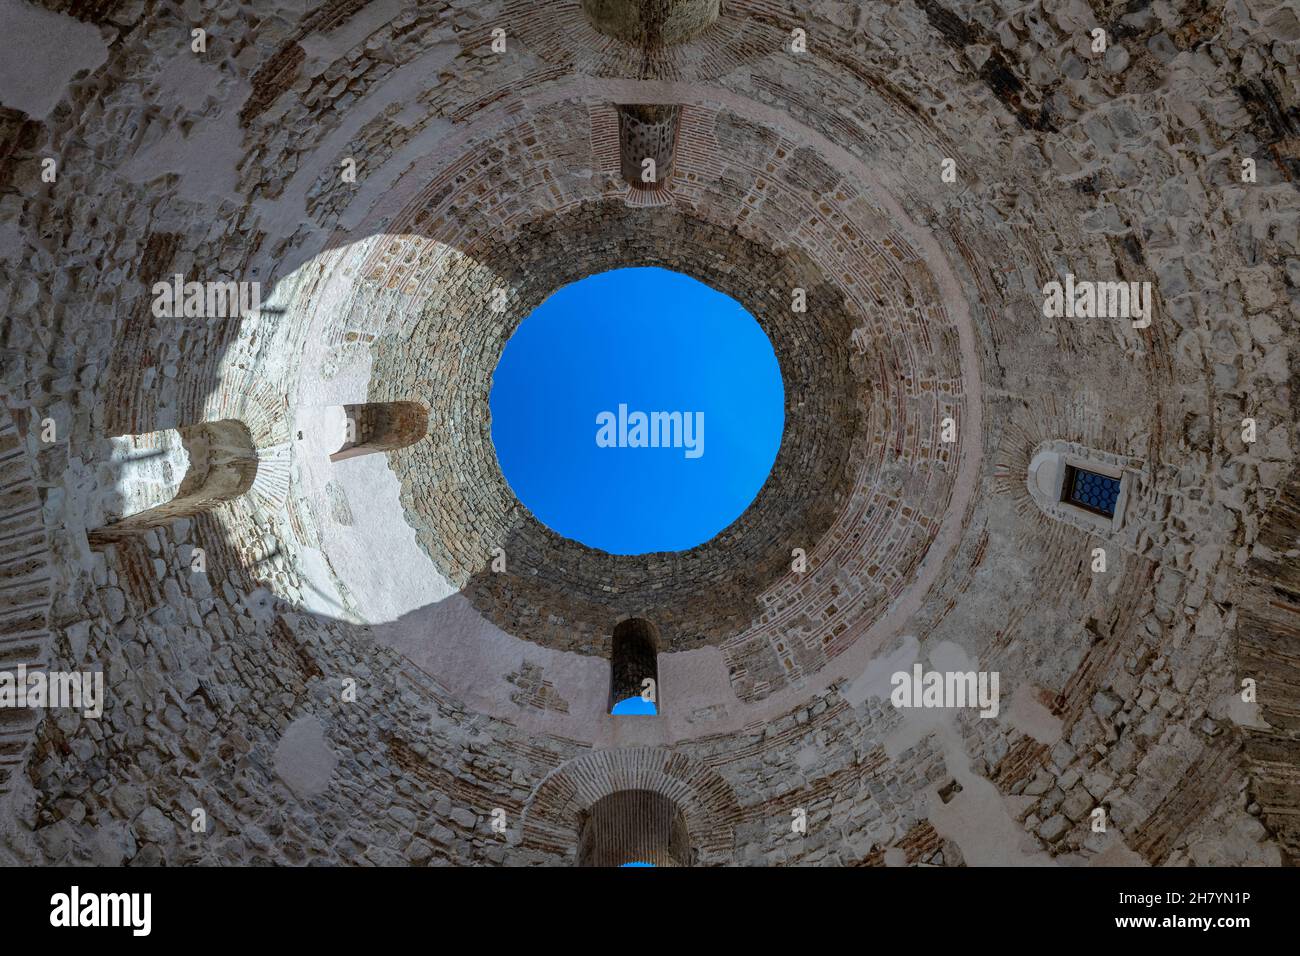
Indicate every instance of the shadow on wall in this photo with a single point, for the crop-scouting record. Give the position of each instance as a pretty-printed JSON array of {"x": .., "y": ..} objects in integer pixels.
[
  {"x": 516, "y": 590},
  {"x": 461, "y": 645},
  {"x": 171, "y": 464},
  {"x": 663, "y": 828},
  {"x": 254, "y": 398},
  {"x": 213, "y": 464}
]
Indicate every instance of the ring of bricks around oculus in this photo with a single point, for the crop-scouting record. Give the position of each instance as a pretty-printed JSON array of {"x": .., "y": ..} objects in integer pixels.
[{"x": 836, "y": 475}]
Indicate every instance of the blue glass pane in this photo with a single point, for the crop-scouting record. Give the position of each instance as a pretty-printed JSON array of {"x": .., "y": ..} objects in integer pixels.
[
  {"x": 635, "y": 705},
  {"x": 1095, "y": 491},
  {"x": 635, "y": 864}
]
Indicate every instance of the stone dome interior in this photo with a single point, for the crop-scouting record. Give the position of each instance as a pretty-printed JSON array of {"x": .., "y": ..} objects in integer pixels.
[{"x": 279, "y": 531}]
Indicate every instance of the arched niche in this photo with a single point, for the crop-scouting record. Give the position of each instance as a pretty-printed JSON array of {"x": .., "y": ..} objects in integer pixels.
[
  {"x": 559, "y": 811},
  {"x": 647, "y": 133},
  {"x": 1080, "y": 486},
  {"x": 634, "y": 658},
  {"x": 633, "y": 826},
  {"x": 380, "y": 426},
  {"x": 218, "y": 462}
]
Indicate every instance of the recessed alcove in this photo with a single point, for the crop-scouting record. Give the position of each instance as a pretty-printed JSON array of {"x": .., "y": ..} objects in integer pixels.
[
  {"x": 634, "y": 670},
  {"x": 1080, "y": 485},
  {"x": 371, "y": 427},
  {"x": 191, "y": 469},
  {"x": 634, "y": 827}
]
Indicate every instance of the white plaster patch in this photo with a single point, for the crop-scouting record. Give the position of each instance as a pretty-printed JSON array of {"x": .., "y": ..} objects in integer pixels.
[
  {"x": 875, "y": 680},
  {"x": 693, "y": 680},
  {"x": 1117, "y": 854},
  {"x": 917, "y": 723},
  {"x": 260, "y": 606},
  {"x": 808, "y": 757},
  {"x": 205, "y": 158},
  {"x": 40, "y": 53},
  {"x": 187, "y": 81},
  {"x": 1027, "y": 714},
  {"x": 1240, "y": 712},
  {"x": 978, "y": 819},
  {"x": 379, "y": 558},
  {"x": 480, "y": 655},
  {"x": 1238, "y": 840},
  {"x": 303, "y": 758},
  {"x": 320, "y": 596},
  {"x": 947, "y": 656}
]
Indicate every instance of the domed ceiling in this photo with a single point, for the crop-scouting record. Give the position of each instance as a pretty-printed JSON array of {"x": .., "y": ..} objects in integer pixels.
[{"x": 367, "y": 655}]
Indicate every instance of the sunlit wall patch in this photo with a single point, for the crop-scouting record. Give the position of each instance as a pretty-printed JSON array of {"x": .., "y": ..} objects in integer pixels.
[{"x": 637, "y": 410}]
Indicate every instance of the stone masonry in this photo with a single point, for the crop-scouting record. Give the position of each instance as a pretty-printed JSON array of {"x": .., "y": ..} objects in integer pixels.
[{"x": 379, "y": 653}]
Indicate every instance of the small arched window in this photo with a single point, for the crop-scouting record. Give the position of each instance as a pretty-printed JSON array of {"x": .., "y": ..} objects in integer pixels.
[
  {"x": 634, "y": 669},
  {"x": 1080, "y": 485},
  {"x": 381, "y": 426},
  {"x": 634, "y": 828}
]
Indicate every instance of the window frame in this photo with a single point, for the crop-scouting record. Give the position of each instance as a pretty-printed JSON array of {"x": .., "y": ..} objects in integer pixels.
[
  {"x": 1070, "y": 463},
  {"x": 1067, "y": 487}
]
